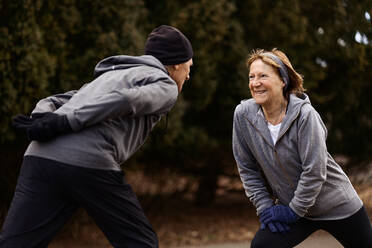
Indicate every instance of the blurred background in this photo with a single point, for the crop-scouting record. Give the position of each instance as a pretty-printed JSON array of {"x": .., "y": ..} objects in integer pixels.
[{"x": 186, "y": 177}]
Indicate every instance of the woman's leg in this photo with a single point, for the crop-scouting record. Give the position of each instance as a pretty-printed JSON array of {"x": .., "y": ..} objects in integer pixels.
[
  {"x": 354, "y": 231},
  {"x": 298, "y": 233}
]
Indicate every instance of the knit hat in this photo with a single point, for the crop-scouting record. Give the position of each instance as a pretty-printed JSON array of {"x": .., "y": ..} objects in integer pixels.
[{"x": 168, "y": 45}]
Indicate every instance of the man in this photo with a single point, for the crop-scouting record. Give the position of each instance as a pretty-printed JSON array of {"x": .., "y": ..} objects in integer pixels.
[{"x": 80, "y": 139}]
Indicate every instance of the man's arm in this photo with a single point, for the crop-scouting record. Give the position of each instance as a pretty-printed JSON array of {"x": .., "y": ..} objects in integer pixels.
[
  {"x": 44, "y": 123},
  {"x": 52, "y": 103},
  {"x": 153, "y": 98}
]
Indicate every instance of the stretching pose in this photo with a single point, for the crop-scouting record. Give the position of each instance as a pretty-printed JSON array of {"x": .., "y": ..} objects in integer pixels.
[
  {"x": 81, "y": 138},
  {"x": 279, "y": 144}
]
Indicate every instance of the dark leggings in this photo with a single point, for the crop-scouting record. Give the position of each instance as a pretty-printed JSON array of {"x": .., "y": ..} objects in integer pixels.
[
  {"x": 354, "y": 231},
  {"x": 48, "y": 193}
]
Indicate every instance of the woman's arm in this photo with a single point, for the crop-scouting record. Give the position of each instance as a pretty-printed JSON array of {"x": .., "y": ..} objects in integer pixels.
[
  {"x": 313, "y": 152},
  {"x": 249, "y": 171}
]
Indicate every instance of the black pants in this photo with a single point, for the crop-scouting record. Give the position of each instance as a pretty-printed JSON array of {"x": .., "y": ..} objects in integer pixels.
[
  {"x": 352, "y": 232},
  {"x": 49, "y": 192}
]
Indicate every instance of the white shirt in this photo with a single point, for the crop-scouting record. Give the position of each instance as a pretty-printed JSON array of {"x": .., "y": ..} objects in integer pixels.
[{"x": 274, "y": 131}]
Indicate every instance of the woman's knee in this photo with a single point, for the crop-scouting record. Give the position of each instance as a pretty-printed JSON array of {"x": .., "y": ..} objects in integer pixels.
[
  {"x": 265, "y": 239},
  {"x": 259, "y": 243}
]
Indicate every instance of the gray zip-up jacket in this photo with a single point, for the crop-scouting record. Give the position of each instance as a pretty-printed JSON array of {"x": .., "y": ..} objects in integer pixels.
[
  {"x": 298, "y": 168},
  {"x": 111, "y": 116}
]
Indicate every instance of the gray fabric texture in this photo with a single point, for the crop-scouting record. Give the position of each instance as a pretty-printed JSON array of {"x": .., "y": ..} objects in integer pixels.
[
  {"x": 112, "y": 115},
  {"x": 298, "y": 168}
]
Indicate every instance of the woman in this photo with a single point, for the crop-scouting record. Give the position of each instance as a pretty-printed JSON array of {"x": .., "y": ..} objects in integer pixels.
[{"x": 279, "y": 144}]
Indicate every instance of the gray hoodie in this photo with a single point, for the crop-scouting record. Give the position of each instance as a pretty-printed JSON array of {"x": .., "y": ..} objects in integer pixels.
[
  {"x": 298, "y": 168},
  {"x": 111, "y": 116}
]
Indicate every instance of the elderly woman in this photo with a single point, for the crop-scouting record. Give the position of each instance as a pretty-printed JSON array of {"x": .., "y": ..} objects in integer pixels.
[{"x": 279, "y": 144}]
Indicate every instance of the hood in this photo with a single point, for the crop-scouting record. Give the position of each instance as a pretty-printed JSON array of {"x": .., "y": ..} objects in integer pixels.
[
  {"x": 254, "y": 114},
  {"x": 121, "y": 62},
  {"x": 295, "y": 104}
]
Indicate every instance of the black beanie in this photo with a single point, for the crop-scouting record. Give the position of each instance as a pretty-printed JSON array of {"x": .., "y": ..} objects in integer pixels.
[{"x": 168, "y": 45}]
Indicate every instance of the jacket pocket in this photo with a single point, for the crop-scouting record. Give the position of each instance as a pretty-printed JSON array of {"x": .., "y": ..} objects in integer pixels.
[{"x": 329, "y": 197}]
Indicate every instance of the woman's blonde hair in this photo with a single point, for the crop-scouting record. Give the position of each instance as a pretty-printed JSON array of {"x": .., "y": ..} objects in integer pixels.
[{"x": 295, "y": 84}]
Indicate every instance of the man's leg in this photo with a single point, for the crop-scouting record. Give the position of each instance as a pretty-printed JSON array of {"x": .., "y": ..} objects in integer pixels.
[
  {"x": 354, "y": 231},
  {"x": 37, "y": 210},
  {"x": 298, "y": 233},
  {"x": 111, "y": 202}
]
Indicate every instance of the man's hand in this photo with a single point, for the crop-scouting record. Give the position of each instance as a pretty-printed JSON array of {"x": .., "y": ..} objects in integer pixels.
[
  {"x": 278, "y": 213},
  {"x": 42, "y": 126}
]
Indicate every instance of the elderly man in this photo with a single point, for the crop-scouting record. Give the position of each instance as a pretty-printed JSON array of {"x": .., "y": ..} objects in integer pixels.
[{"x": 81, "y": 138}]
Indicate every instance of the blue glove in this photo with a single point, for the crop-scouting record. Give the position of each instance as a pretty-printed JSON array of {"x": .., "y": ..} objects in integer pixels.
[
  {"x": 279, "y": 213},
  {"x": 276, "y": 227}
]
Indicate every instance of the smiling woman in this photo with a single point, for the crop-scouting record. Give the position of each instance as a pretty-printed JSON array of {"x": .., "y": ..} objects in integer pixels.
[
  {"x": 271, "y": 80},
  {"x": 282, "y": 67},
  {"x": 267, "y": 89},
  {"x": 279, "y": 136}
]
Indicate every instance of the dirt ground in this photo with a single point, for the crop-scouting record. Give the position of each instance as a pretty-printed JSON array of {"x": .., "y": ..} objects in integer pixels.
[{"x": 179, "y": 223}]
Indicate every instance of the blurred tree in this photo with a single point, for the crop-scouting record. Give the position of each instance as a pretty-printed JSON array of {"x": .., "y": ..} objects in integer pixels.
[
  {"x": 198, "y": 141},
  {"x": 85, "y": 32},
  {"x": 51, "y": 46},
  {"x": 344, "y": 92},
  {"x": 25, "y": 66},
  {"x": 319, "y": 38},
  {"x": 25, "y": 63}
]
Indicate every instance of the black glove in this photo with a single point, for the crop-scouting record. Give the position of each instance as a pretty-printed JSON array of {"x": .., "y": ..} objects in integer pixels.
[{"x": 42, "y": 126}]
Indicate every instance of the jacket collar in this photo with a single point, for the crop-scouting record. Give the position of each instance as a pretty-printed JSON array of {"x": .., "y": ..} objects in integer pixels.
[
  {"x": 260, "y": 124},
  {"x": 255, "y": 116},
  {"x": 293, "y": 111}
]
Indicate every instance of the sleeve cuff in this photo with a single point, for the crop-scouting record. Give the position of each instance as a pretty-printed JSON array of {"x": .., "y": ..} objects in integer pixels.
[
  {"x": 268, "y": 203},
  {"x": 298, "y": 211},
  {"x": 75, "y": 125}
]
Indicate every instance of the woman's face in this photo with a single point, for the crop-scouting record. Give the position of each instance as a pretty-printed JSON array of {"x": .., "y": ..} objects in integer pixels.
[{"x": 265, "y": 84}]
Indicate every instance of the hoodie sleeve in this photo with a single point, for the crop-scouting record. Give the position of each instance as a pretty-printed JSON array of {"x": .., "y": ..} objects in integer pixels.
[
  {"x": 250, "y": 175},
  {"x": 156, "y": 97},
  {"x": 52, "y": 103},
  {"x": 313, "y": 151}
]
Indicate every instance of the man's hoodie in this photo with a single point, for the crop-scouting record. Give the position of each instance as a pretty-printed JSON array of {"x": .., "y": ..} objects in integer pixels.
[
  {"x": 298, "y": 168},
  {"x": 111, "y": 116}
]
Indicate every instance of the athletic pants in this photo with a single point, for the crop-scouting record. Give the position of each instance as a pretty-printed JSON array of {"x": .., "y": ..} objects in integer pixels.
[
  {"x": 48, "y": 193},
  {"x": 352, "y": 232}
]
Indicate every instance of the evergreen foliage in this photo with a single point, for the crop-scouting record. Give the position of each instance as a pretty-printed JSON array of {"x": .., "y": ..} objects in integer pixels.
[{"x": 47, "y": 47}]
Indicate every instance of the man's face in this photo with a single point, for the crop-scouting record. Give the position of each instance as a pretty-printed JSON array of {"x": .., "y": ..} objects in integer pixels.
[{"x": 181, "y": 73}]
